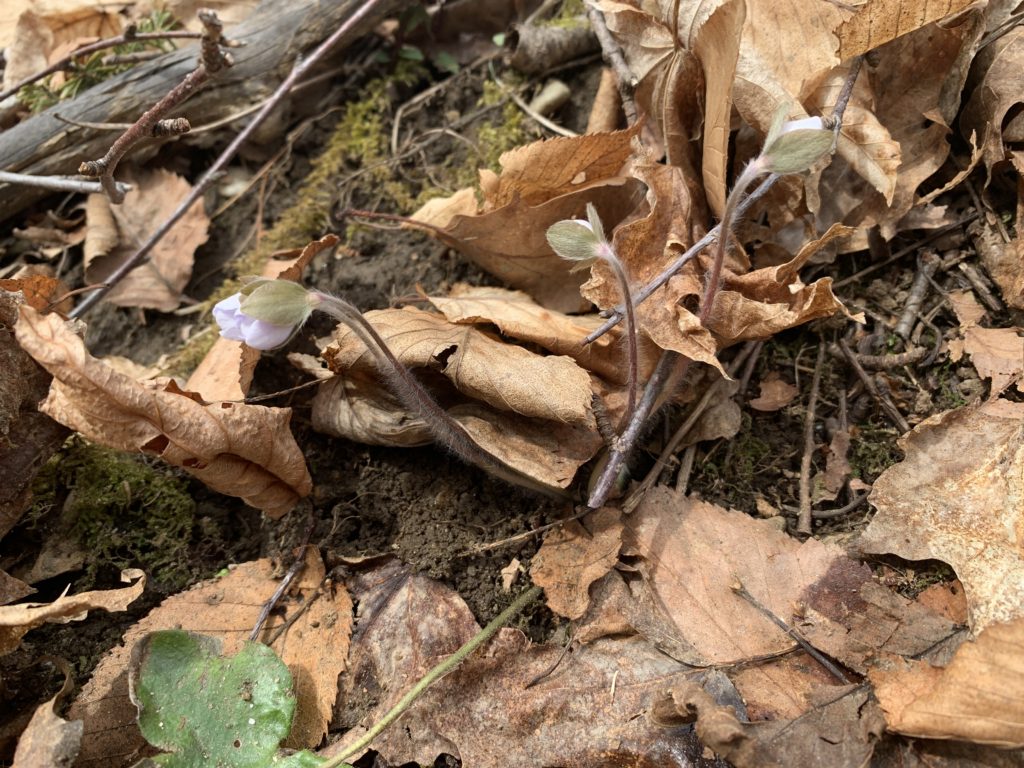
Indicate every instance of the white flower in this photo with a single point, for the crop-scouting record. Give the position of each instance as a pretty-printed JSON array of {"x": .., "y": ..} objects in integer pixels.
[{"x": 237, "y": 325}]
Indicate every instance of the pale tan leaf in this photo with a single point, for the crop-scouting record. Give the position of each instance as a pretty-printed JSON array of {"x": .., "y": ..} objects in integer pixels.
[
  {"x": 879, "y": 21},
  {"x": 505, "y": 376},
  {"x": 948, "y": 500},
  {"x": 440, "y": 211},
  {"x": 159, "y": 281},
  {"x": 360, "y": 409},
  {"x": 238, "y": 449},
  {"x": 227, "y": 608},
  {"x": 518, "y": 316},
  {"x": 775, "y": 394},
  {"x": 976, "y": 697},
  {"x": 16, "y": 620},
  {"x": 691, "y": 573},
  {"x": 573, "y": 557},
  {"x": 717, "y": 48}
]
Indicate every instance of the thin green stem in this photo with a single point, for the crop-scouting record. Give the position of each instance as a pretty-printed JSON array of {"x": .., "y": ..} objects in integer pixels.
[
  {"x": 436, "y": 674},
  {"x": 632, "y": 376}
]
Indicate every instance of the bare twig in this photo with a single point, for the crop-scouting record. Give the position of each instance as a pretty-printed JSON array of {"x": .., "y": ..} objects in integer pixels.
[
  {"x": 741, "y": 590},
  {"x": 827, "y": 514},
  {"x": 980, "y": 286},
  {"x": 884, "y": 362},
  {"x": 213, "y": 173},
  {"x": 58, "y": 183},
  {"x": 869, "y": 384},
  {"x": 918, "y": 293},
  {"x": 626, "y": 80},
  {"x": 804, "y": 521},
  {"x": 213, "y": 60},
  {"x": 129, "y": 36}
]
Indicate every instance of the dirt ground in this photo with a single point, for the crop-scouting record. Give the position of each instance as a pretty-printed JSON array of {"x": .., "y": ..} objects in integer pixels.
[{"x": 452, "y": 521}]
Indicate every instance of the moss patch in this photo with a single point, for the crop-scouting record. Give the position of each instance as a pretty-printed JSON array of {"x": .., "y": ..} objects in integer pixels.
[{"x": 123, "y": 512}]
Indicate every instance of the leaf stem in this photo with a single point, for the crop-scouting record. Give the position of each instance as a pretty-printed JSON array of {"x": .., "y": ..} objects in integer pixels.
[
  {"x": 436, "y": 674},
  {"x": 632, "y": 377}
]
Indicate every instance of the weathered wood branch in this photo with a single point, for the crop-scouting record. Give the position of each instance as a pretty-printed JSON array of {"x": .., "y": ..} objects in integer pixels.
[{"x": 277, "y": 32}]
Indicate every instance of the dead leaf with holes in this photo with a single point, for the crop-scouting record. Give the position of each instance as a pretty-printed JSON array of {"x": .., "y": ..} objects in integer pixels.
[
  {"x": 240, "y": 450},
  {"x": 539, "y": 184},
  {"x": 948, "y": 500},
  {"x": 976, "y": 697},
  {"x": 117, "y": 231},
  {"x": 16, "y": 620},
  {"x": 227, "y": 608},
  {"x": 487, "y": 709}
]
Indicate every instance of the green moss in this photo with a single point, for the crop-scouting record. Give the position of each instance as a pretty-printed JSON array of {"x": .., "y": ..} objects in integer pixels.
[
  {"x": 736, "y": 469},
  {"x": 571, "y": 13},
  {"x": 123, "y": 512},
  {"x": 873, "y": 450}
]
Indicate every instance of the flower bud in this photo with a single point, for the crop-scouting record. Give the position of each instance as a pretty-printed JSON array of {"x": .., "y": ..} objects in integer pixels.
[
  {"x": 578, "y": 240},
  {"x": 794, "y": 146},
  {"x": 264, "y": 314}
]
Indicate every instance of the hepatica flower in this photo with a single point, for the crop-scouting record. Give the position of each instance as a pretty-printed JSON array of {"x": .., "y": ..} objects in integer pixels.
[{"x": 265, "y": 314}]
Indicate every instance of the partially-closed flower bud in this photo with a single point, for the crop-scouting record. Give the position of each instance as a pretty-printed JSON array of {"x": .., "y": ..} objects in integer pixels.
[
  {"x": 579, "y": 240},
  {"x": 794, "y": 146},
  {"x": 265, "y": 314}
]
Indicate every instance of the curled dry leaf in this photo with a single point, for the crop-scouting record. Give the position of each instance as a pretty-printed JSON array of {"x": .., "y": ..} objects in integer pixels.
[
  {"x": 227, "y": 608},
  {"x": 359, "y": 408},
  {"x": 505, "y": 376},
  {"x": 574, "y": 556},
  {"x": 49, "y": 740},
  {"x": 115, "y": 232},
  {"x": 976, "y": 697},
  {"x": 540, "y": 183},
  {"x": 518, "y": 316},
  {"x": 947, "y": 500},
  {"x": 997, "y": 92},
  {"x": 876, "y": 22},
  {"x": 775, "y": 394},
  {"x": 997, "y": 353},
  {"x": 240, "y": 450},
  {"x": 16, "y": 620},
  {"x": 841, "y": 730}
]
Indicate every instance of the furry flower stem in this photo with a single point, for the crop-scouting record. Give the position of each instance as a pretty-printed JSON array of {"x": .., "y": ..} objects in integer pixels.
[{"x": 413, "y": 396}]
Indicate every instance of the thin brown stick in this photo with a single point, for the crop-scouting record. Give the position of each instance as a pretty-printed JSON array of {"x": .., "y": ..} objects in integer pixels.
[
  {"x": 128, "y": 36},
  {"x": 213, "y": 60},
  {"x": 624, "y": 78},
  {"x": 740, "y": 590},
  {"x": 301, "y": 68},
  {"x": 803, "y": 524},
  {"x": 869, "y": 384},
  {"x": 929, "y": 263}
]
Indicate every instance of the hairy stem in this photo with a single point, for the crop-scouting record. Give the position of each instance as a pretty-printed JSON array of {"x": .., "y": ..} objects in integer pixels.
[
  {"x": 436, "y": 674},
  {"x": 632, "y": 375}
]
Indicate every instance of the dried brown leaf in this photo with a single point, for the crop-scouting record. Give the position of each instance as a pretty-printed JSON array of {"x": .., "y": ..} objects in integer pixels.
[
  {"x": 484, "y": 711},
  {"x": 840, "y": 731},
  {"x": 976, "y": 697},
  {"x": 359, "y": 408},
  {"x": 12, "y": 589},
  {"x": 857, "y": 621},
  {"x": 237, "y": 449},
  {"x": 775, "y": 394},
  {"x": 158, "y": 283},
  {"x": 16, "y": 620},
  {"x": 997, "y": 353},
  {"x": 997, "y": 92},
  {"x": 505, "y": 376},
  {"x": 573, "y": 557},
  {"x": 48, "y": 741},
  {"x": 693, "y": 553},
  {"x": 879, "y": 21},
  {"x": 541, "y": 183},
  {"x": 518, "y": 316},
  {"x": 227, "y": 608},
  {"x": 948, "y": 500}
]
